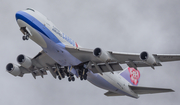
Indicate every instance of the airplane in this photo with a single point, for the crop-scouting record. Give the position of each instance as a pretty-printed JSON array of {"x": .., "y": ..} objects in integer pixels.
[{"x": 63, "y": 57}]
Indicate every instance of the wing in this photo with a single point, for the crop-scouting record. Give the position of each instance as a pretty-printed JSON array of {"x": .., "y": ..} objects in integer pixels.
[
  {"x": 168, "y": 57},
  {"x": 97, "y": 65},
  {"x": 149, "y": 90},
  {"x": 40, "y": 64},
  {"x": 44, "y": 62}
]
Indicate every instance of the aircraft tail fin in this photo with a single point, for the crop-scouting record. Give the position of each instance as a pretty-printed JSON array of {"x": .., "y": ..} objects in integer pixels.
[
  {"x": 149, "y": 90},
  {"x": 131, "y": 75}
]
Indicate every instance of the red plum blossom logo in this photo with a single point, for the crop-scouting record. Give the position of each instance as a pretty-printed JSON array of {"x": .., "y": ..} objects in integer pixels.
[{"x": 134, "y": 75}]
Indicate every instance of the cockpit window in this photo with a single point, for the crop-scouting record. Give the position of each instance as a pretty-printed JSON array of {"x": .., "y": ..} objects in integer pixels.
[{"x": 30, "y": 9}]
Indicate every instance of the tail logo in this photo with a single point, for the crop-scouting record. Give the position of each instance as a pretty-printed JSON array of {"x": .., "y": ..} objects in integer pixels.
[
  {"x": 76, "y": 44},
  {"x": 134, "y": 75}
]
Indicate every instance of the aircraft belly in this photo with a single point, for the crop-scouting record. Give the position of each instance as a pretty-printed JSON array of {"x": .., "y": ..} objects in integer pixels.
[
  {"x": 111, "y": 82},
  {"x": 98, "y": 81},
  {"x": 57, "y": 52}
]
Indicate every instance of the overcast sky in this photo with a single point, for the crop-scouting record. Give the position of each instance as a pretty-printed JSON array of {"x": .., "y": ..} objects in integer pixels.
[{"x": 117, "y": 25}]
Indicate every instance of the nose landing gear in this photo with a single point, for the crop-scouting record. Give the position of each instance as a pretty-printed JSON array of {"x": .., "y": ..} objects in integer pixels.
[
  {"x": 26, "y": 37},
  {"x": 26, "y": 33}
]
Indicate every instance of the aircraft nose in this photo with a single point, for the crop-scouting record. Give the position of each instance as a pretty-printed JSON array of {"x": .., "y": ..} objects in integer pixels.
[
  {"x": 19, "y": 18},
  {"x": 17, "y": 15},
  {"x": 22, "y": 17}
]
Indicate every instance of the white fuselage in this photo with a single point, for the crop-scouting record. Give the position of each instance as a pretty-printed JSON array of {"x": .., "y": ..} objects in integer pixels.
[{"x": 53, "y": 42}]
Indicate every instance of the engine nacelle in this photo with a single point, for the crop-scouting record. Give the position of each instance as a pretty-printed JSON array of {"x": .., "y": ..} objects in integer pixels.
[
  {"x": 104, "y": 56},
  {"x": 24, "y": 61},
  {"x": 148, "y": 58},
  {"x": 13, "y": 69}
]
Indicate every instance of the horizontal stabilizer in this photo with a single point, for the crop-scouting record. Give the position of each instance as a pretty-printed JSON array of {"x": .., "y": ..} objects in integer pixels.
[
  {"x": 109, "y": 93},
  {"x": 149, "y": 90}
]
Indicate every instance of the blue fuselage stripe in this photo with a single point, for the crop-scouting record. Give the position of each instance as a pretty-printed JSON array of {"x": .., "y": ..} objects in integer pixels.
[{"x": 36, "y": 24}]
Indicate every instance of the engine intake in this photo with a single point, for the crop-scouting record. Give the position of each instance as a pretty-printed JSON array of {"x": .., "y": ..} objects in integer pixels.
[
  {"x": 104, "y": 56},
  {"x": 13, "y": 69},
  {"x": 148, "y": 58},
  {"x": 97, "y": 52},
  {"x": 24, "y": 61}
]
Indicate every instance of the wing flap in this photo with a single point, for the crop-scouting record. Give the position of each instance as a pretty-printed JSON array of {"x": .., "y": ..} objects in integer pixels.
[
  {"x": 115, "y": 67},
  {"x": 149, "y": 90},
  {"x": 139, "y": 64}
]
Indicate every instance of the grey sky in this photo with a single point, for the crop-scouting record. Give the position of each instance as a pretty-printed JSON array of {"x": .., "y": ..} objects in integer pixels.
[{"x": 118, "y": 25}]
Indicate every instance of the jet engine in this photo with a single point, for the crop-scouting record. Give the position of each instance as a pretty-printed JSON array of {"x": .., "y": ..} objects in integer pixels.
[
  {"x": 148, "y": 58},
  {"x": 13, "y": 69},
  {"x": 104, "y": 56},
  {"x": 24, "y": 61}
]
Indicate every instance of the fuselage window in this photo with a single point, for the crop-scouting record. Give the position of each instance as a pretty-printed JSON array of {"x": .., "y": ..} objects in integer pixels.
[{"x": 30, "y": 9}]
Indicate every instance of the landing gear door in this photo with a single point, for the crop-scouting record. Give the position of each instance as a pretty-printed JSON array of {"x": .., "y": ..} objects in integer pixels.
[{"x": 25, "y": 31}]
